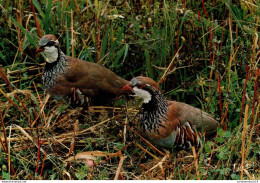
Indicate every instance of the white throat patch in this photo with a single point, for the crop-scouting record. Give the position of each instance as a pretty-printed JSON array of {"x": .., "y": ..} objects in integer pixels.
[
  {"x": 142, "y": 94},
  {"x": 51, "y": 53}
]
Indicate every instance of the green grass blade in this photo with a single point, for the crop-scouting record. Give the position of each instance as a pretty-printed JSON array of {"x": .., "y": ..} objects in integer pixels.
[
  {"x": 235, "y": 17},
  {"x": 118, "y": 38},
  {"x": 89, "y": 55},
  {"x": 122, "y": 52},
  {"x": 147, "y": 62},
  {"x": 104, "y": 45},
  {"x": 38, "y": 7},
  {"x": 47, "y": 17},
  {"x": 136, "y": 26},
  {"x": 182, "y": 21},
  {"x": 27, "y": 34}
]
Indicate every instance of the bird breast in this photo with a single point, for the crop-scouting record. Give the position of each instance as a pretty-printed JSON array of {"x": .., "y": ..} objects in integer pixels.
[{"x": 53, "y": 72}]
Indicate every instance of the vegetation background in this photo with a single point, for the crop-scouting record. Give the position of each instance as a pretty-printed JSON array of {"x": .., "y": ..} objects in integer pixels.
[{"x": 204, "y": 53}]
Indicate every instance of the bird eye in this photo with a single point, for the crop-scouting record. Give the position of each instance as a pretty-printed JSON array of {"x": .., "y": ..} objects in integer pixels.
[
  {"x": 140, "y": 86},
  {"x": 51, "y": 43}
]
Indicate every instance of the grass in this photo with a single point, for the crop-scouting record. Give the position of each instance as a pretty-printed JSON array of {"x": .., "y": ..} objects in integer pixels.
[{"x": 202, "y": 53}]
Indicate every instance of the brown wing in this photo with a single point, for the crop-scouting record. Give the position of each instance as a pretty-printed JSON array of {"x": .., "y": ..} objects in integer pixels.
[
  {"x": 92, "y": 78},
  {"x": 183, "y": 113}
]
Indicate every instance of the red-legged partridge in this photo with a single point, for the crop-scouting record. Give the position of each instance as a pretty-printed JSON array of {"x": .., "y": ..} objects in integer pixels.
[
  {"x": 168, "y": 123},
  {"x": 63, "y": 74}
]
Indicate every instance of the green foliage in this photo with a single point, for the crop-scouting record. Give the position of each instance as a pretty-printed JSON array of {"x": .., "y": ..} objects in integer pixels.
[{"x": 6, "y": 176}]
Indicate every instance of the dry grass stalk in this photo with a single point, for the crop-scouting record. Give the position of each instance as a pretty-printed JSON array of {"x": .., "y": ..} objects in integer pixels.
[
  {"x": 166, "y": 72},
  {"x": 155, "y": 157},
  {"x": 152, "y": 146},
  {"x": 3, "y": 75},
  {"x": 73, "y": 140},
  {"x": 88, "y": 129},
  {"x": 42, "y": 110},
  {"x": 113, "y": 155},
  {"x": 220, "y": 105},
  {"x": 244, "y": 94},
  {"x": 72, "y": 32},
  {"x": 251, "y": 131},
  {"x": 115, "y": 109},
  {"x": 122, "y": 158},
  {"x": 243, "y": 142},
  {"x": 255, "y": 95},
  {"x": 31, "y": 139},
  {"x": 248, "y": 174},
  {"x": 9, "y": 152},
  {"x": 210, "y": 158},
  {"x": 124, "y": 135},
  {"x": 166, "y": 156},
  {"x": 35, "y": 19},
  {"x": 196, "y": 162},
  {"x": 42, "y": 106},
  {"x": 6, "y": 148},
  {"x": 77, "y": 6},
  {"x": 38, "y": 157},
  {"x": 90, "y": 155},
  {"x": 42, "y": 165}
]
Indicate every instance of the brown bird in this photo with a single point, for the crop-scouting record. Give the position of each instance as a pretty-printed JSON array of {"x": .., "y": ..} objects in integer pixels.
[
  {"x": 168, "y": 123},
  {"x": 63, "y": 74}
]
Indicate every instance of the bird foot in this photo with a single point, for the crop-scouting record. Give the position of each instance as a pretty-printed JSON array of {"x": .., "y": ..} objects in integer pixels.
[{"x": 77, "y": 99}]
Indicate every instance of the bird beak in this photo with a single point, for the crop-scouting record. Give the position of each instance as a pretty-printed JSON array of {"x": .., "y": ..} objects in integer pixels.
[
  {"x": 127, "y": 88},
  {"x": 39, "y": 49}
]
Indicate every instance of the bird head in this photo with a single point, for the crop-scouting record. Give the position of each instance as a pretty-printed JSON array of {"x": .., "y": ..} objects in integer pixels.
[
  {"x": 142, "y": 87},
  {"x": 49, "y": 44}
]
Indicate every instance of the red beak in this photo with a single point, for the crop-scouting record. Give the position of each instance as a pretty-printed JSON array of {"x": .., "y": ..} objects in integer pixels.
[
  {"x": 39, "y": 49},
  {"x": 127, "y": 88}
]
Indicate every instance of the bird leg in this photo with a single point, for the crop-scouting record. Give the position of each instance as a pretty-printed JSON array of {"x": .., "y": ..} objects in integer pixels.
[{"x": 77, "y": 99}]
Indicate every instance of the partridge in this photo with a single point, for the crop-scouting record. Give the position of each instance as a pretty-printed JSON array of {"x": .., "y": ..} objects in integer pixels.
[
  {"x": 63, "y": 74},
  {"x": 168, "y": 123}
]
